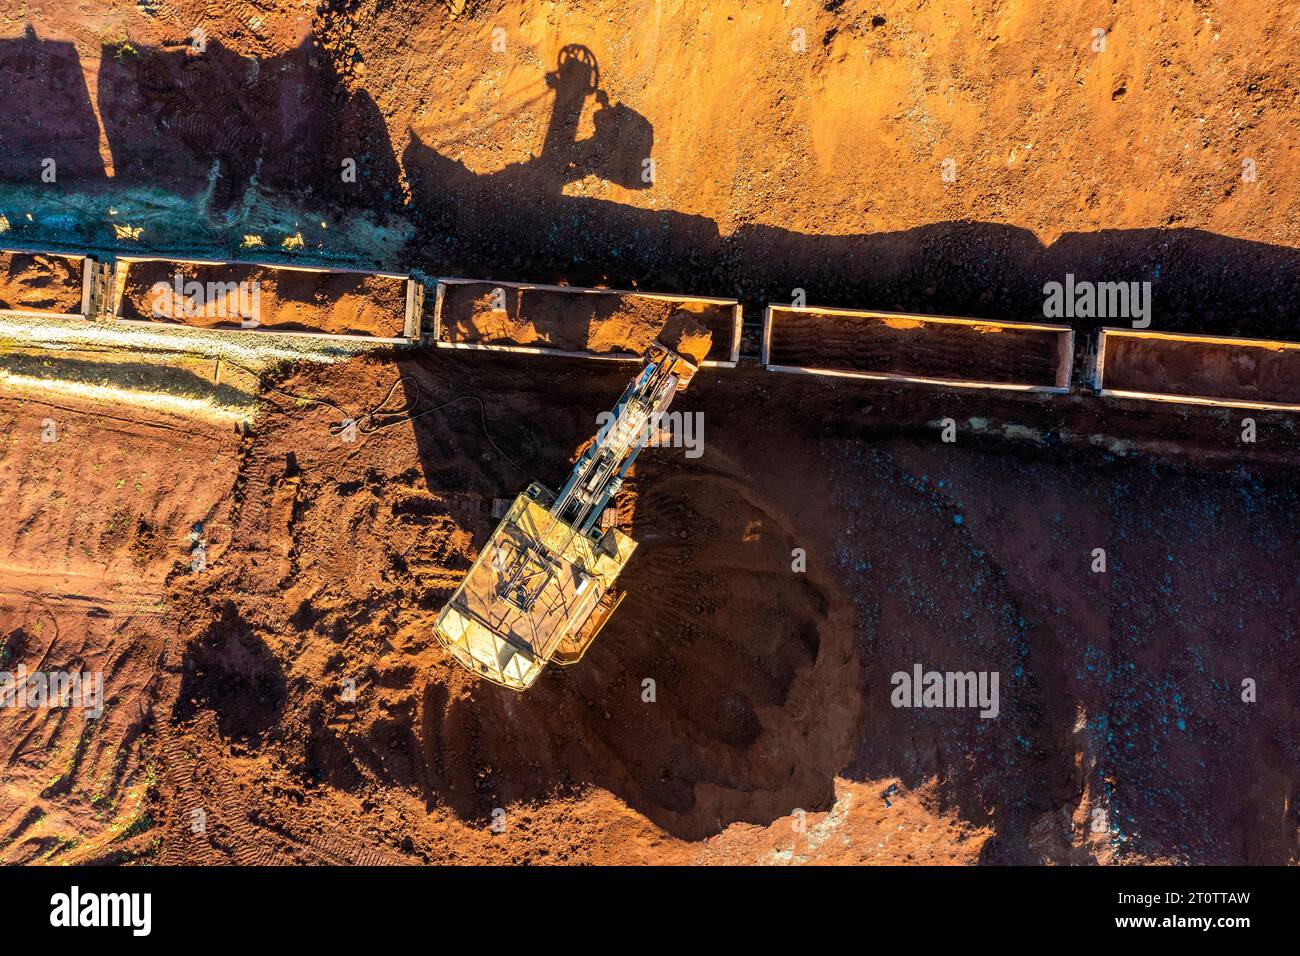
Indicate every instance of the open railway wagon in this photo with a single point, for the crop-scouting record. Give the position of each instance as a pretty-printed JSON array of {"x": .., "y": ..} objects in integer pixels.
[
  {"x": 922, "y": 349},
  {"x": 543, "y": 585},
  {"x": 45, "y": 284},
  {"x": 1211, "y": 370},
  {"x": 243, "y": 296},
  {"x": 572, "y": 321}
]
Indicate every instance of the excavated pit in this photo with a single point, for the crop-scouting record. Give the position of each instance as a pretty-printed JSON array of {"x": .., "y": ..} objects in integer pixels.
[{"x": 742, "y": 654}]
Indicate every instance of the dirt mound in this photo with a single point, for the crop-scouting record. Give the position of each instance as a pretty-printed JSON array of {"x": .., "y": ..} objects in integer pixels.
[
  {"x": 230, "y": 671},
  {"x": 686, "y": 336}
]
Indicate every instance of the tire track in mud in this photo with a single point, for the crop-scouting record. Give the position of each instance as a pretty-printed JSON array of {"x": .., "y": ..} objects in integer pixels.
[
  {"x": 332, "y": 845},
  {"x": 256, "y": 837},
  {"x": 234, "y": 831},
  {"x": 182, "y": 844},
  {"x": 248, "y": 515}
]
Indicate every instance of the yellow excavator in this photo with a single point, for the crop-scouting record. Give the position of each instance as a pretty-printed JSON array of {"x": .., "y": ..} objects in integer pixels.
[{"x": 543, "y": 586}]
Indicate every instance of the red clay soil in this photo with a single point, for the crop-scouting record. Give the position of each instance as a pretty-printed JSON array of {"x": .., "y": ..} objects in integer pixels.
[
  {"x": 907, "y": 345},
  {"x": 1233, "y": 372},
  {"x": 40, "y": 283},
  {"x": 345, "y": 556},
  {"x": 584, "y": 321},
  {"x": 342, "y": 303},
  {"x": 329, "y": 560},
  {"x": 94, "y": 523}
]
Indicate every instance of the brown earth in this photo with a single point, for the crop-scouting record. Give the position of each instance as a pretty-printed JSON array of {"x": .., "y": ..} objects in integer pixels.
[
  {"x": 901, "y": 345},
  {"x": 778, "y": 165},
  {"x": 95, "y": 522},
  {"x": 341, "y": 303},
  {"x": 328, "y": 561},
  {"x": 40, "y": 283},
  {"x": 380, "y": 536},
  {"x": 1203, "y": 369},
  {"x": 595, "y": 322}
]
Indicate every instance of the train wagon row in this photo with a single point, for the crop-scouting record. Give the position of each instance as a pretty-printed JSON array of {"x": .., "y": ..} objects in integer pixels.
[
  {"x": 944, "y": 351},
  {"x": 1032, "y": 357},
  {"x": 616, "y": 325}
]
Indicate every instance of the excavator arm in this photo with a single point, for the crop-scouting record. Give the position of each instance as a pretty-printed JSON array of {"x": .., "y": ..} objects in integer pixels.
[
  {"x": 599, "y": 473},
  {"x": 543, "y": 585}
]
